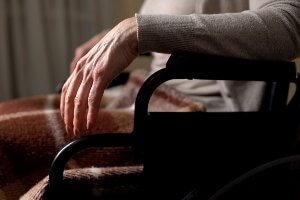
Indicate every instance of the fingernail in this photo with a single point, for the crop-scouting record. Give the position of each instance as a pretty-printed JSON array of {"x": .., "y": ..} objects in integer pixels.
[
  {"x": 75, "y": 131},
  {"x": 88, "y": 126},
  {"x": 70, "y": 130},
  {"x": 66, "y": 127}
]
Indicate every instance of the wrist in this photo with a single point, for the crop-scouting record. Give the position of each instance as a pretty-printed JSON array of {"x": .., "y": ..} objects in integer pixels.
[
  {"x": 131, "y": 35},
  {"x": 134, "y": 39}
]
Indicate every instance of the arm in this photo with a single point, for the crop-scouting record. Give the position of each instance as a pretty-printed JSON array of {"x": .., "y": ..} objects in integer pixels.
[
  {"x": 269, "y": 32},
  {"x": 97, "y": 66}
]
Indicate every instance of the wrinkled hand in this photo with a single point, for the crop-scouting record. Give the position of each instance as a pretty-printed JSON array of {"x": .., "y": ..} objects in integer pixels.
[
  {"x": 82, "y": 92},
  {"x": 84, "y": 48}
]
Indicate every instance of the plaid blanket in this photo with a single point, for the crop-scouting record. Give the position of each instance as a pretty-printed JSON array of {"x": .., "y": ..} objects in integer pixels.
[{"x": 32, "y": 132}]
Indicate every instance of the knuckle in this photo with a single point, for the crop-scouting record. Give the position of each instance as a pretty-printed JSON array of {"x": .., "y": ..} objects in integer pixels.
[
  {"x": 91, "y": 101},
  {"x": 86, "y": 72},
  {"x": 78, "y": 66},
  {"x": 98, "y": 73},
  {"x": 69, "y": 99},
  {"x": 64, "y": 89},
  {"x": 77, "y": 113},
  {"x": 79, "y": 51},
  {"x": 78, "y": 101}
]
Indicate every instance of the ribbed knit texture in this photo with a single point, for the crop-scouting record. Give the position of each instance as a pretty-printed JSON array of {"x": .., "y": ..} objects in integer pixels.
[{"x": 269, "y": 30}]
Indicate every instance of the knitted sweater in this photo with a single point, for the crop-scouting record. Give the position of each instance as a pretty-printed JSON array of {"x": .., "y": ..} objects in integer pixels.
[{"x": 254, "y": 29}]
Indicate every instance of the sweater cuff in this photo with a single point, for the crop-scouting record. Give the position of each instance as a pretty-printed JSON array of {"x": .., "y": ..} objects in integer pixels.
[{"x": 163, "y": 33}]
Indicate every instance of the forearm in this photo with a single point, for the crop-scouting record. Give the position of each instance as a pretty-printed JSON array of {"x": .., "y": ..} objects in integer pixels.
[{"x": 271, "y": 32}]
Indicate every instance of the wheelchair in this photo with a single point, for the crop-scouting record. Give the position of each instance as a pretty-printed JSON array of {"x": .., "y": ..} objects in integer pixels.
[{"x": 202, "y": 155}]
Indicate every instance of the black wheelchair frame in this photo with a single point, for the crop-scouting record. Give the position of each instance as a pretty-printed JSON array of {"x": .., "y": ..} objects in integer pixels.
[{"x": 184, "y": 152}]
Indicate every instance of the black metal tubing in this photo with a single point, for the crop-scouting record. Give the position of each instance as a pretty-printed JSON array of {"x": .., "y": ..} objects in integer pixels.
[
  {"x": 99, "y": 140},
  {"x": 144, "y": 95},
  {"x": 199, "y": 66}
]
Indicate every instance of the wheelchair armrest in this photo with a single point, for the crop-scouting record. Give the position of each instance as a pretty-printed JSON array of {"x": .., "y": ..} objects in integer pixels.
[
  {"x": 63, "y": 156},
  {"x": 199, "y": 66}
]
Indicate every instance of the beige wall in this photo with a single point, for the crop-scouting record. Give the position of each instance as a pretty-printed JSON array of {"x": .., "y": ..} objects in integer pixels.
[{"x": 129, "y": 7}]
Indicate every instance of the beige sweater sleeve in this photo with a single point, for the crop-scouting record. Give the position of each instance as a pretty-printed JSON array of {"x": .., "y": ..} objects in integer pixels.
[{"x": 271, "y": 31}]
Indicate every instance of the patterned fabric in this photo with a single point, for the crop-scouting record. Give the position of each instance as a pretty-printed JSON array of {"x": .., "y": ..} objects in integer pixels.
[
  {"x": 29, "y": 141},
  {"x": 32, "y": 132},
  {"x": 94, "y": 183}
]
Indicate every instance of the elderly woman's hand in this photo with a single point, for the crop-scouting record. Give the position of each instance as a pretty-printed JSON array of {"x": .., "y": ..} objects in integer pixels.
[{"x": 82, "y": 92}]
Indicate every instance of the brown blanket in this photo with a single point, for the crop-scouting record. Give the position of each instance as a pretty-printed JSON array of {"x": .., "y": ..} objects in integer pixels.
[{"x": 32, "y": 132}]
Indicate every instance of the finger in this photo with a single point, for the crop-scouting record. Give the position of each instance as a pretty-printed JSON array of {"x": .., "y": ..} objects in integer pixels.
[
  {"x": 81, "y": 103},
  {"x": 66, "y": 85},
  {"x": 62, "y": 97},
  {"x": 93, "y": 53},
  {"x": 94, "y": 99},
  {"x": 79, "y": 64},
  {"x": 80, "y": 57},
  {"x": 69, "y": 101}
]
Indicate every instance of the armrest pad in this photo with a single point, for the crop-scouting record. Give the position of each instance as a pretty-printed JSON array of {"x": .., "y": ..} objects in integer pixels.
[{"x": 199, "y": 66}]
